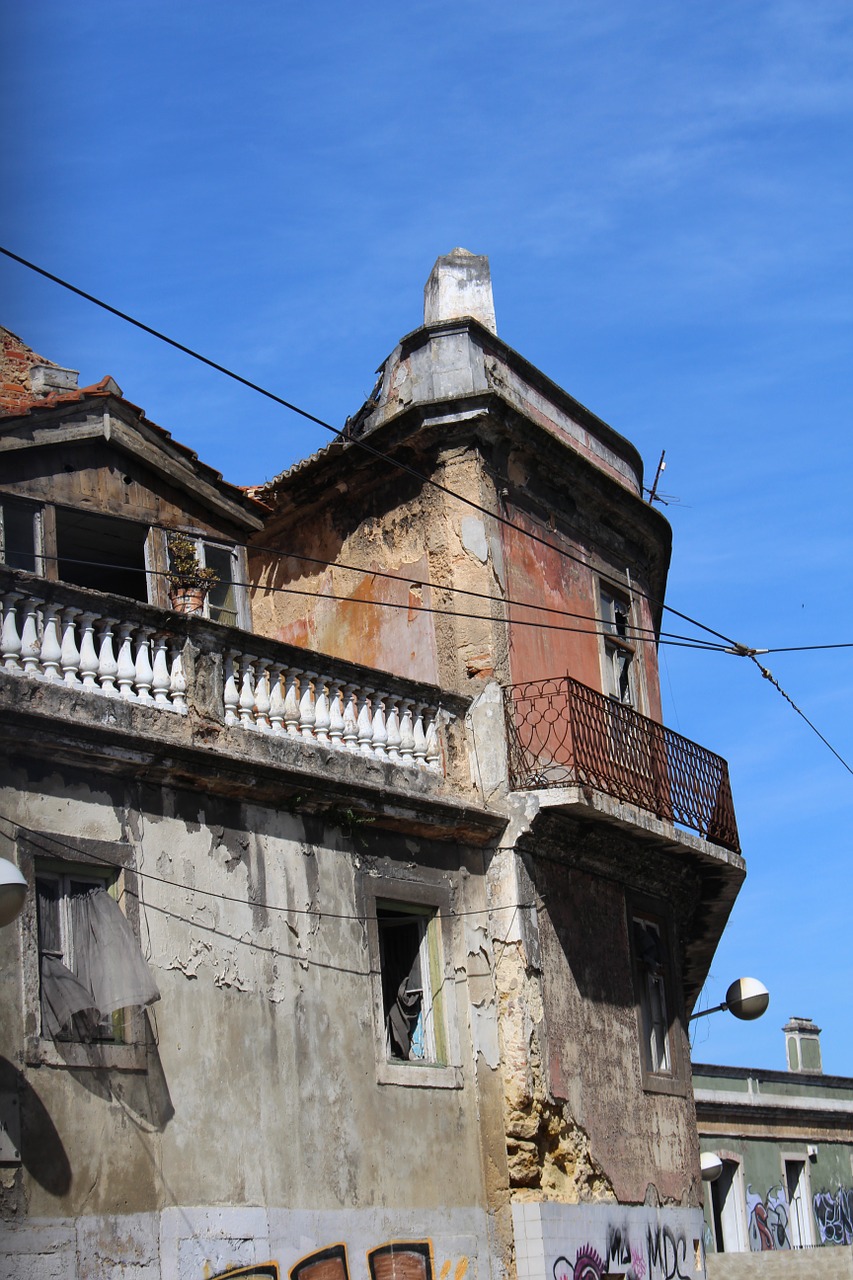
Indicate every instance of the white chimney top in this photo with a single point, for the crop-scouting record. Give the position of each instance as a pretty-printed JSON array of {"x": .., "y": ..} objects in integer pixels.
[{"x": 460, "y": 284}]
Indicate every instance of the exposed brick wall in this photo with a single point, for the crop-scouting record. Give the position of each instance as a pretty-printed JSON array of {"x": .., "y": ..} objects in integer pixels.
[{"x": 16, "y": 360}]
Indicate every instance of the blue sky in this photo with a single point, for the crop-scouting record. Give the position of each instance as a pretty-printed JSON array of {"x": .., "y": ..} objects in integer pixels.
[{"x": 665, "y": 195}]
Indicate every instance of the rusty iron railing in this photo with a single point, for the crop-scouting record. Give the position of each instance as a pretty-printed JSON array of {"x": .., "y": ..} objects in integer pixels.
[{"x": 560, "y": 732}]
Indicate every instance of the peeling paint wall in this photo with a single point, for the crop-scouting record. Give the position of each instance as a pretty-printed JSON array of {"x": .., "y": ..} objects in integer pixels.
[{"x": 260, "y": 1082}]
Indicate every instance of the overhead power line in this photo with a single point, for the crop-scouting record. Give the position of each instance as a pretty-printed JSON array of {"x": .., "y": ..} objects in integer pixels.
[
  {"x": 733, "y": 646},
  {"x": 357, "y": 441}
]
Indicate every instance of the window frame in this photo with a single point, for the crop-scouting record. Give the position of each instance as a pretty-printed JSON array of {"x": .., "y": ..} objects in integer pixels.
[
  {"x": 239, "y": 574},
  {"x": 37, "y": 511},
  {"x": 612, "y": 644},
  {"x": 60, "y": 854},
  {"x": 672, "y": 1079},
  {"x": 806, "y": 1223},
  {"x": 433, "y": 901}
]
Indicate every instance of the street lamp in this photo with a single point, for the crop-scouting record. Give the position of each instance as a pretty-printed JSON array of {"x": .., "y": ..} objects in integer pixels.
[
  {"x": 746, "y": 998},
  {"x": 13, "y": 891}
]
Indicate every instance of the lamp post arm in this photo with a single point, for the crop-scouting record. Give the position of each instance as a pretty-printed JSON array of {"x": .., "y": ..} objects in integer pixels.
[{"x": 703, "y": 1013}]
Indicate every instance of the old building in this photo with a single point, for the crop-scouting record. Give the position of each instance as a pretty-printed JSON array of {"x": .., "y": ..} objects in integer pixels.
[
  {"x": 425, "y": 888},
  {"x": 785, "y": 1142}
]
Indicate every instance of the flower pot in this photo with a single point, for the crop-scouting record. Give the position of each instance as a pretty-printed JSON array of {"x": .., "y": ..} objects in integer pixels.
[{"x": 187, "y": 599}]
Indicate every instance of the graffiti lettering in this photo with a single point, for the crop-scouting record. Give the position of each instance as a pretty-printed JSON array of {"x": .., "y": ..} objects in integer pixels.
[
  {"x": 666, "y": 1254},
  {"x": 834, "y": 1214},
  {"x": 665, "y": 1258},
  {"x": 401, "y": 1260},
  {"x": 768, "y": 1220}
]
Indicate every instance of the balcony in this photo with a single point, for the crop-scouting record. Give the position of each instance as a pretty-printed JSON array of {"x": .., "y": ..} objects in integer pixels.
[
  {"x": 110, "y": 648},
  {"x": 562, "y": 733}
]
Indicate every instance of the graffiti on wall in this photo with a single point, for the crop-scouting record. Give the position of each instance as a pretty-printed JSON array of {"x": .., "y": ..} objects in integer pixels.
[
  {"x": 833, "y": 1212},
  {"x": 659, "y": 1253},
  {"x": 768, "y": 1219},
  {"x": 397, "y": 1260}
]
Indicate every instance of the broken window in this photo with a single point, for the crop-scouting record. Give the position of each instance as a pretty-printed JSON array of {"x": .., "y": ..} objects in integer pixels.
[
  {"x": 652, "y": 968},
  {"x": 618, "y": 656},
  {"x": 102, "y": 553},
  {"x": 91, "y": 969},
  {"x": 412, "y": 974}
]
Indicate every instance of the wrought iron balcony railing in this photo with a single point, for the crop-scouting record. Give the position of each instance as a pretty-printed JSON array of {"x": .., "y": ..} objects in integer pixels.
[{"x": 561, "y": 732}]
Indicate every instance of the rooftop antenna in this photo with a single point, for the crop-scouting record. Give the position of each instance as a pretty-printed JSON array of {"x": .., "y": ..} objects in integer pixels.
[{"x": 653, "y": 492}]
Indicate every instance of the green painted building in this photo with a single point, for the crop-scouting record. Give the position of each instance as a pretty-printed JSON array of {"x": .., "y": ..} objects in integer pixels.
[{"x": 784, "y": 1143}]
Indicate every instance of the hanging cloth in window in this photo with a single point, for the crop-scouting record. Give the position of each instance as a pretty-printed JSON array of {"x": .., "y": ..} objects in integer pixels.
[
  {"x": 110, "y": 971},
  {"x": 107, "y": 958}
]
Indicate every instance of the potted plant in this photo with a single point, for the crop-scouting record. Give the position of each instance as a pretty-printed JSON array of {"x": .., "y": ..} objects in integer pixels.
[{"x": 189, "y": 582}]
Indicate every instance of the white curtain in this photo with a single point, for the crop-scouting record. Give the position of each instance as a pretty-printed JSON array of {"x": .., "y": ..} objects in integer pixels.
[{"x": 110, "y": 971}]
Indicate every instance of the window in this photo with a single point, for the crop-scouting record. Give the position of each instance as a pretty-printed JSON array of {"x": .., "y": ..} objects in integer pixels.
[
  {"x": 412, "y": 979},
  {"x": 618, "y": 655},
  {"x": 102, "y": 553},
  {"x": 651, "y": 964},
  {"x": 660, "y": 1046},
  {"x": 797, "y": 1187},
  {"x": 226, "y": 601},
  {"x": 728, "y": 1210},
  {"x": 85, "y": 976},
  {"x": 412, "y": 998},
  {"x": 90, "y": 965},
  {"x": 21, "y": 536}
]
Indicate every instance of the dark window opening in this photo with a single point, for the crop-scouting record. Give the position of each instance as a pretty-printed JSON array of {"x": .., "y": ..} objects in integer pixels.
[
  {"x": 411, "y": 971},
  {"x": 102, "y": 553},
  {"x": 19, "y": 536}
]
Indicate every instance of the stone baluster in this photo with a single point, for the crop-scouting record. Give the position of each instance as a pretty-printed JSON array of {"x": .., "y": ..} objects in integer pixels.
[
  {"x": 322, "y": 711},
  {"x": 350, "y": 734},
  {"x": 307, "y": 716},
  {"x": 419, "y": 735},
  {"x": 276, "y": 700},
  {"x": 247, "y": 692},
  {"x": 107, "y": 663},
  {"x": 88, "y": 653},
  {"x": 262, "y": 695},
  {"x": 392, "y": 726},
  {"x": 178, "y": 679},
  {"x": 379, "y": 729},
  {"x": 231, "y": 694},
  {"x": 143, "y": 670},
  {"x": 161, "y": 682},
  {"x": 336, "y": 716},
  {"x": 49, "y": 648},
  {"x": 69, "y": 653},
  {"x": 407, "y": 735},
  {"x": 291, "y": 702},
  {"x": 365, "y": 722},
  {"x": 433, "y": 744},
  {"x": 10, "y": 643},
  {"x": 126, "y": 672}
]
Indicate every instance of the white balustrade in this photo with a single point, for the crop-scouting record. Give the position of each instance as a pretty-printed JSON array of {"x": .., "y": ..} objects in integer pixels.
[
  {"x": 65, "y": 645},
  {"x": 118, "y": 658},
  {"x": 307, "y": 706}
]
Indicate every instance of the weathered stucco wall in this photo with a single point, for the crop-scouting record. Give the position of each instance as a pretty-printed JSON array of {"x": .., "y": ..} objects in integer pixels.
[
  {"x": 435, "y": 546},
  {"x": 261, "y": 1082}
]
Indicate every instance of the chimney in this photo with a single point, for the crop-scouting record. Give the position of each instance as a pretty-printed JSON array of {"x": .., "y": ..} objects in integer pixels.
[
  {"x": 460, "y": 284},
  {"x": 802, "y": 1046}
]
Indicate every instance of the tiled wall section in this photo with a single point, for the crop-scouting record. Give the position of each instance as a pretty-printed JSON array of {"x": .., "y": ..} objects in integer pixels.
[
  {"x": 196, "y": 1244},
  {"x": 594, "y": 1241}
]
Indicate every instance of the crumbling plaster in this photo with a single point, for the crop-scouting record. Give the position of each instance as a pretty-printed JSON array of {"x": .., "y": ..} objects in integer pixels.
[{"x": 251, "y": 921}]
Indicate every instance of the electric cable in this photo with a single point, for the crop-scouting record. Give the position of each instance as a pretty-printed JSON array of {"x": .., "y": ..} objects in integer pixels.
[
  {"x": 768, "y": 675},
  {"x": 357, "y": 441},
  {"x": 683, "y": 642},
  {"x": 81, "y": 857}
]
